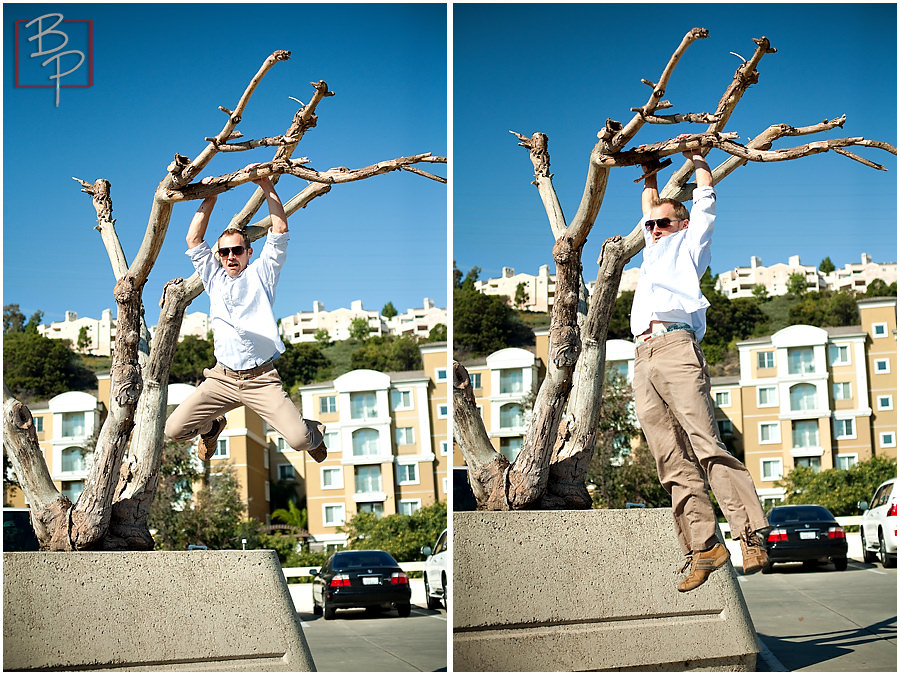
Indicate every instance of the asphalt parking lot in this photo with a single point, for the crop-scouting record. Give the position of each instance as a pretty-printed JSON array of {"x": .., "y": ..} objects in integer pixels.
[{"x": 357, "y": 641}]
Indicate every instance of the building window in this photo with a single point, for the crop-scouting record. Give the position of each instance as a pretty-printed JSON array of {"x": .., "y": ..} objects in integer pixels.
[
  {"x": 771, "y": 469},
  {"x": 882, "y": 366},
  {"x": 442, "y": 411},
  {"x": 407, "y": 474},
  {"x": 475, "y": 379},
  {"x": 365, "y": 442},
  {"x": 511, "y": 416},
  {"x": 769, "y": 432},
  {"x": 844, "y": 429},
  {"x": 839, "y": 355},
  {"x": 363, "y": 405},
  {"x": 331, "y": 439},
  {"x": 221, "y": 449},
  {"x": 726, "y": 429},
  {"x": 766, "y": 396},
  {"x": 39, "y": 424},
  {"x": 407, "y": 507},
  {"x": 286, "y": 472},
  {"x": 440, "y": 375},
  {"x": 803, "y": 397},
  {"x": 723, "y": 399},
  {"x": 445, "y": 447},
  {"x": 72, "y": 424},
  {"x": 765, "y": 360},
  {"x": 801, "y": 361},
  {"x": 281, "y": 444},
  {"x": 328, "y": 404},
  {"x": 72, "y": 489},
  {"x": 805, "y": 433},
  {"x": 332, "y": 479},
  {"x": 401, "y": 400},
  {"x": 367, "y": 479},
  {"x": 404, "y": 436},
  {"x": 814, "y": 463},
  {"x": 845, "y": 461},
  {"x": 842, "y": 391},
  {"x": 511, "y": 381},
  {"x": 268, "y": 492},
  {"x": 886, "y": 402},
  {"x": 371, "y": 507},
  {"x": 73, "y": 459},
  {"x": 879, "y": 330},
  {"x": 510, "y": 447},
  {"x": 888, "y": 439},
  {"x": 333, "y": 515}
]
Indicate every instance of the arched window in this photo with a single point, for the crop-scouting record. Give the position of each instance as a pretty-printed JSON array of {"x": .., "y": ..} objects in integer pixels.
[
  {"x": 73, "y": 459},
  {"x": 803, "y": 397},
  {"x": 365, "y": 442},
  {"x": 511, "y": 416}
]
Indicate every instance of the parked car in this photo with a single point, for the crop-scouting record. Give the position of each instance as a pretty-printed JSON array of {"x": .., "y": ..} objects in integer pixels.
[
  {"x": 805, "y": 533},
  {"x": 435, "y": 573},
  {"x": 878, "y": 527},
  {"x": 370, "y": 579}
]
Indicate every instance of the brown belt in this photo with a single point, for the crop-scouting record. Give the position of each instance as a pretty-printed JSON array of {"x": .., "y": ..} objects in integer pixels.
[{"x": 249, "y": 372}]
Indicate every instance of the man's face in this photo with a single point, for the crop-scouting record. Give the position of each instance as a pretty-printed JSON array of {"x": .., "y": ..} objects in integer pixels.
[
  {"x": 234, "y": 264},
  {"x": 674, "y": 225}
]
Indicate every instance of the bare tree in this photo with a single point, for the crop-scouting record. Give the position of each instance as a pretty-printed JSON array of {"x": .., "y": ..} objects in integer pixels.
[
  {"x": 112, "y": 511},
  {"x": 550, "y": 470}
]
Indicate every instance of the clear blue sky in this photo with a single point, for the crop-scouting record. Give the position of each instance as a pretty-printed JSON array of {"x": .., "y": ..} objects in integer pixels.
[
  {"x": 160, "y": 73},
  {"x": 565, "y": 69}
]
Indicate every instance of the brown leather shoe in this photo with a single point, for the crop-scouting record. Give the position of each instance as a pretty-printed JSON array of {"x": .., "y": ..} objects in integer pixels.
[
  {"x": 316, "y": 436},
  {"x": 752, "y": 550},
  {"x": 703, "y": 564},
  {"x": 206, "y": 447}
]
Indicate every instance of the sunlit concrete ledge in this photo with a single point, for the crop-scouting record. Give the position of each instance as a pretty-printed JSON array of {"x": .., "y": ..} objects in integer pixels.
[
  {"x": 150, "y": 611},
  {"x": 589, "y": 590}
]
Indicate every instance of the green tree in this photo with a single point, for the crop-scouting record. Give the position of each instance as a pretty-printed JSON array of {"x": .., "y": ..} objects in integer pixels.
[
  {"x": 359, "y": 328},
  {"x": 177, "y": 475},
  {"x": 192, "y": 355},
  {"x": 401, "y": 536},
  {"x": 34, "y": 321},
  {"x": 878, "y": 289},
  {"x": 293, "y": 516},
  {"x": 438, "y": 333},
  {"x": 838, "y": 490},
  {"x": 302, "y": 363},
  {"x": 796, "y": 284},
  {"x": 620, "y": 322},
  {"x": 727, "y": 320},
  {"x": 323, "y": 337},
  {"x": 13, "y": 319},
  {"x": 826, "y": 266},
  {"x": 825, "y": 308},
  {"x": 760, "y": 292},
  {"x": 485, "y": 323},
  {"x": 83, "y": 340},
  {"x": 521, "y": 297},
  {"x": 388, "y": 354},
  {"x": 38, "y": 367},
  {"x": 389, "y": 311}
]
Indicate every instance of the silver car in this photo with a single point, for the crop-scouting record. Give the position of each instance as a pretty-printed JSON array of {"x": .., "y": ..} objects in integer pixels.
[
  {"x": 436, "y": 572},
  {"x": 878, "y": 528}
]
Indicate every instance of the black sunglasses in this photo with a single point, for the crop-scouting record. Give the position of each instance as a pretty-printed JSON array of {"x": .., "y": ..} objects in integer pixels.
[
  {"x": 236, "y": 250},
  {"x": 661, "y": 223}
]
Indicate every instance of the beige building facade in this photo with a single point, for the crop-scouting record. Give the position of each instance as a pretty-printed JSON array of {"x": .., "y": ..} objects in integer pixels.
[{"x": 100, "y": 333}]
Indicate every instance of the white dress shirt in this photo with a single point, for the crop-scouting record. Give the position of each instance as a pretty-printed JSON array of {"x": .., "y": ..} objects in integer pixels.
[
  {"x": 669, "y": 286},
  {"x": 244, "y": 330}
]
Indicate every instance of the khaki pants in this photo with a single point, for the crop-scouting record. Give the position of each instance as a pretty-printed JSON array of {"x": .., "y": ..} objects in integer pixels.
[
  {"x": 673, "y": 404},
  {"x": 223, "y": 390}
]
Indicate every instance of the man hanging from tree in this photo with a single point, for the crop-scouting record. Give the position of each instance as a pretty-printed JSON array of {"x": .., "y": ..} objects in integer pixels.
[
  {"x": 245, "y": 336},
  {"x": 671, "y": 382}
]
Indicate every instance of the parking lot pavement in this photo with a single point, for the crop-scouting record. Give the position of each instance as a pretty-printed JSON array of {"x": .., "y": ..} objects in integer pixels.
[{"x": 824, "y": 620}]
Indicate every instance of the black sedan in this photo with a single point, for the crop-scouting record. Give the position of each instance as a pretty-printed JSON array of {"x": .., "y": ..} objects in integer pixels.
[
  {"x": 370, "y": 579},
  {"x": 805, "y": 533}
]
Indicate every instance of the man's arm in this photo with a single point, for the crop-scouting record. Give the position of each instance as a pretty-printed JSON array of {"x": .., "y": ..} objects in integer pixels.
[
  {"x": 276, "y": 208},
  {"x": 197, "y": 229},
  {"x": 650, "y": 194},
  {"x": 701, "y": 168}
]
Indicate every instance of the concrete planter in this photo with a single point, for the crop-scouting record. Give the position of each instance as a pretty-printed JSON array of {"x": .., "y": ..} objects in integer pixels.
[
  {"x": 588, "y": 590},
  {"x": 156, "y": 611}
]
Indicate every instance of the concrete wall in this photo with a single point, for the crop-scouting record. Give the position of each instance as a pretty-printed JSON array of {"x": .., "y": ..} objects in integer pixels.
[
  {"x": 150, "y": 611},
  {"x": 588, "y": 590}
]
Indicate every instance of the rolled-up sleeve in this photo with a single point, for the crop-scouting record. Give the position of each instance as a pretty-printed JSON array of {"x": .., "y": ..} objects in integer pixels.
[{"x": 204, "y": 262}]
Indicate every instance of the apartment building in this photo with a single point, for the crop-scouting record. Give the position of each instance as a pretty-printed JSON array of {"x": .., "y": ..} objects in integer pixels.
[
  {"x": 805, "y": 396},
  {"x": 100, "y": 333},
  {"x": 740, "y": 282},
  {"x": 387, "y": 445},
  {"x": 540, "y": 289}
]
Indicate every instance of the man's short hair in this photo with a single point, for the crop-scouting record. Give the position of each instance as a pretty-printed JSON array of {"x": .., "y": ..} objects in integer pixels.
[
  {"x": 234, "y": 230},
  {"x": 681, "y": 211}
]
